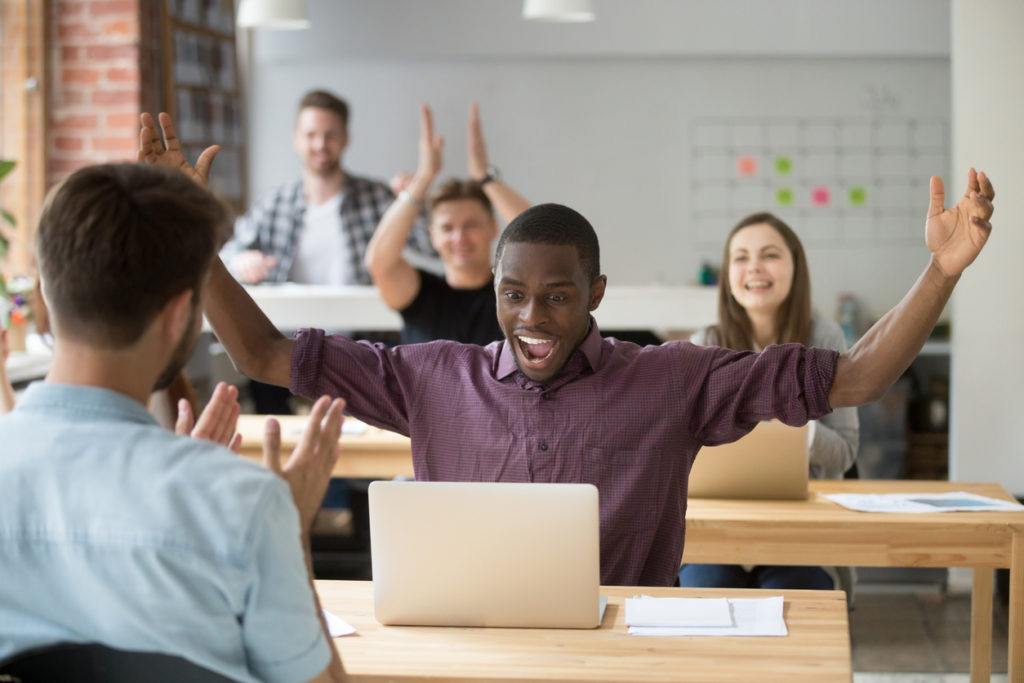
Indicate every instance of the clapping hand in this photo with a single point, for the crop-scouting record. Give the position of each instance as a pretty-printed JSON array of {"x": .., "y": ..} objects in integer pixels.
[{"x": 218, "y": 420}]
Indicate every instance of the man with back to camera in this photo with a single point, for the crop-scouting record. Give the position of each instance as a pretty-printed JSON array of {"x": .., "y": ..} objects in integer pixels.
[
  {"x": 315, "y": 229},
  {"x": 115, "y": 530},
  {"x": 460, "y": 304},
  {"x": 553, "y": 402}
]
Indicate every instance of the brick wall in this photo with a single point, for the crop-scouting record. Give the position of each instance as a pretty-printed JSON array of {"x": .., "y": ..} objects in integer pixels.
[{"x": 103, "y": 71}]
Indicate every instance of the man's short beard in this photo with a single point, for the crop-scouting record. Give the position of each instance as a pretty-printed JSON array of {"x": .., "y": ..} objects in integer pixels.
[{"x": 181, "y": 354}]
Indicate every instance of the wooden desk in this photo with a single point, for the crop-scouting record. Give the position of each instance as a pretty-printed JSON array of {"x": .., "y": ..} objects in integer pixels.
[
  {"x": 820, "y": 532},
  {"x": 373, "y": 454},
  {"x": 816, "y": 649}
]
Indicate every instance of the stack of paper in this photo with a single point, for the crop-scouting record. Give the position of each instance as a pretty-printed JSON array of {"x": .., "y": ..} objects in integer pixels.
[{"x": 647, "y": 616}]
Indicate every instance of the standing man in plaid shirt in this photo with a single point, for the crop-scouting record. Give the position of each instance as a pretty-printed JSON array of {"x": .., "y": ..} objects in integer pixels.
[{"x": 315, "y": 229}]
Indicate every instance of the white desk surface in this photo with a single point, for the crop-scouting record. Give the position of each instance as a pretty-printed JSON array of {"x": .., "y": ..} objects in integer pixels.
[{"x": 291, "y": 306}]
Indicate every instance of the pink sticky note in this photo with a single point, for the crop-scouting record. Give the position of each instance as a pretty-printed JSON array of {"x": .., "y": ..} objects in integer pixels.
[
  {"x": 746, "y": 166},
  {"x": 820, "y": 196}
]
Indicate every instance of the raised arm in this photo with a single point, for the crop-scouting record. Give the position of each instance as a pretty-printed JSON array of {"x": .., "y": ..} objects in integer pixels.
[
  {"x": 955, "y": 237},
  {"x": 397, "y": 280},
  {"x": 508, "y": 202},
  {"x": 256, "y": 347}
]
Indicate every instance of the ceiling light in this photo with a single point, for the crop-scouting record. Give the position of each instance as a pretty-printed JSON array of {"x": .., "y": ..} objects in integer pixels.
[
  {"x": 558, "y": 10},
  {"x": 286, "y": 14}
]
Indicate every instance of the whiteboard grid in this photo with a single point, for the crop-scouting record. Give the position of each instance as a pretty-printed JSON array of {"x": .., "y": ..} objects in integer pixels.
[{"x": 837, "y": 181}]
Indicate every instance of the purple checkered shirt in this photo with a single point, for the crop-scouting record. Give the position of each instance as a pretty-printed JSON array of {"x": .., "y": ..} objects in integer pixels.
[{"x": 626, "y": 418}]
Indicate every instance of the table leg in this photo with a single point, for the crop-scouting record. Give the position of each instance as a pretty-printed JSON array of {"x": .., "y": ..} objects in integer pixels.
[
  {"x": 1015, "y": 666},
  {"x": 981, "y": 625}
]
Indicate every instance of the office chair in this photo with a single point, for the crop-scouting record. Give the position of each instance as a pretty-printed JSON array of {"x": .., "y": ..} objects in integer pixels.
[{"x": 95, "y": 663}]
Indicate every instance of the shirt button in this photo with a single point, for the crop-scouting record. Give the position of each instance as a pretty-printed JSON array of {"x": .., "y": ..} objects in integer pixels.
[
  {"x": 546, "y": 395},
  {"x": 543, "y": 445}
]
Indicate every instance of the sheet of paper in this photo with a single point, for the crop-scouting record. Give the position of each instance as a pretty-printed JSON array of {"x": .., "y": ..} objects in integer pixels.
[
  {"x": 349, "y": 426},
  {"x": 952, "y": 501},
  {"x": 751, "y": 617},
  {"x": 337, "y": 626},
  {"x": 648, "y": 611}
]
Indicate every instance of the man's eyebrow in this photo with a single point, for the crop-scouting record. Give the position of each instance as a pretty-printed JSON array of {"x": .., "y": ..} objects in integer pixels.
[{"x": 546, "y": 285}]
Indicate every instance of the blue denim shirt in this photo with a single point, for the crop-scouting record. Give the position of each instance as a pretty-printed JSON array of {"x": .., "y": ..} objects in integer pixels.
[{"x": 117, "y": 531}]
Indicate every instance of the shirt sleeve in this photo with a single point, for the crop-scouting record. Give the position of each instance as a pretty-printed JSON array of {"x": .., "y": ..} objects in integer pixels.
[
  {"x": 283, "y": 639},
  {"x": 728, "y": 392},
  {"x": 376, "y": 382}
]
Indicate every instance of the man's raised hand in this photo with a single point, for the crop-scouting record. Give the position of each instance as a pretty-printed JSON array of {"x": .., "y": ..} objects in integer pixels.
[
  {"x": 154, "y": 150},
  {"x": 956, "y": 235}
]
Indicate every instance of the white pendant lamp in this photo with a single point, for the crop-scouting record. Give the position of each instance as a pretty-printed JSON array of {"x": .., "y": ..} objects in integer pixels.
[
  {"x": 284, "y": 14},
  {"x": 559, "y": 10}
]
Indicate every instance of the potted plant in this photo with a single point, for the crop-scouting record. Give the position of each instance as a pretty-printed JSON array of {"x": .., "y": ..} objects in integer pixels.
[{"x": 5, "y": 217}]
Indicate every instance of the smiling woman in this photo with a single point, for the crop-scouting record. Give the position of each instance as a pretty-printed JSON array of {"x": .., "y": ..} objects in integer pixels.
[{"x": 766, "y": 300}]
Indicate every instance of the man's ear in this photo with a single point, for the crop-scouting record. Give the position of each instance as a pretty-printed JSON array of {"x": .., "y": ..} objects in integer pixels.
[
  {"x": 176, "y": 315},
  {"x": 597, "y": 291}
]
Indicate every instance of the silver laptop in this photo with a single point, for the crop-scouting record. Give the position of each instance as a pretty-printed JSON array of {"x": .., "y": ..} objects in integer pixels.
[
  {"x": 769, "y": 463},
  {"x": 485, "y": 554}
]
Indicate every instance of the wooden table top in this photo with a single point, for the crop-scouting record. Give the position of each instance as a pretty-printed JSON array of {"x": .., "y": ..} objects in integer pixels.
[
  {"x": 819, "y": 531},
  {"x": 366, "y": 452},
  {"x": 816, "y": 649}
]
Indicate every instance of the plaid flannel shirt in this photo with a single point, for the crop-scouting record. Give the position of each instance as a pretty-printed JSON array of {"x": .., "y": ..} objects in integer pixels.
[{"x": 272, "y": 225}]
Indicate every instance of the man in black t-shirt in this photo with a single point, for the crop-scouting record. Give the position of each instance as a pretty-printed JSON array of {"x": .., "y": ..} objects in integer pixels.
[{"x": 459, "y": 305}]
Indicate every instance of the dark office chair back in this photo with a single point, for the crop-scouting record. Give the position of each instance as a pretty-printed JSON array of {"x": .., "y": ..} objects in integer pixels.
[{"x": 95, "y": 663}]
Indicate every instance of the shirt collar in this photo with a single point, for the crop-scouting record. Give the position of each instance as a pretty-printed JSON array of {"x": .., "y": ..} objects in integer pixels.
[
  {"x": 589, "y": 348},
  {"x": 52, "y": 397}
]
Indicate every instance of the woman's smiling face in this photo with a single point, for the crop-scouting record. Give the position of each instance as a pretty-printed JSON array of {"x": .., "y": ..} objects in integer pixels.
[{"x": 760, "y": 268}]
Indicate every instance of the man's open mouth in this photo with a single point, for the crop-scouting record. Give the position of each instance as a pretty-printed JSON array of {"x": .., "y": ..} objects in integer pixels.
[{"x": 536, "y": 351}]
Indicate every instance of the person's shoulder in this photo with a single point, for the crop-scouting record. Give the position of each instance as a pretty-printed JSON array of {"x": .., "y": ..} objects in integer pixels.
[
  {"x": 283, "y": 190},
  {"x": 826, "y": 334},
  {"x": 206, "y": 465},
  {"x": 367, "y": 184}
]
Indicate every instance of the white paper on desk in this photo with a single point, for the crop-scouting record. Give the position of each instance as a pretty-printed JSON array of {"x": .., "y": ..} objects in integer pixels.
[
  {"x": 648, "y": 611},
  {"x": 952, "y": 501},
  {"x": 349, "y": 426},
  {"x": 336, "y": 626},
  {"x": 752, "y": 617}
]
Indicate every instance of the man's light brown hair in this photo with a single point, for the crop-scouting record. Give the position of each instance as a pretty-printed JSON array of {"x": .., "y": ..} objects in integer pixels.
[
  {"x": 117, "y": 241},
  {"x": 321, "y": 99},
  {"x": 454, "y": 189}
]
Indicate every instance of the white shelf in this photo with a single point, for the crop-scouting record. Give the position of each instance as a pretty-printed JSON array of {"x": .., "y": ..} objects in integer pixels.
[{"x": 291, "y": 306}]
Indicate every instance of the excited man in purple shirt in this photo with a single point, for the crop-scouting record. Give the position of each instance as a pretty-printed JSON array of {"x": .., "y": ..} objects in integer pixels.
[{"x": 554, "y": 402}]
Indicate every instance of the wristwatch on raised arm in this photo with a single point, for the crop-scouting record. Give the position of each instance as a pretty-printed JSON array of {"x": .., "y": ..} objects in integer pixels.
[{"x": 492, "y": 174}]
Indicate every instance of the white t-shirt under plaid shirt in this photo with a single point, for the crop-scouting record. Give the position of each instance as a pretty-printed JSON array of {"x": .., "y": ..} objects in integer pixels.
[{"x": 274, "y": 223}]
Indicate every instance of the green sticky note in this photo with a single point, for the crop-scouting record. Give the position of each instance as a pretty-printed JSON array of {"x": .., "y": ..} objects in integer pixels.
[
  {"x": 858, "y": 196},
  {"x": 784, "y": 196},
  {"x": 783, "y": 165}
]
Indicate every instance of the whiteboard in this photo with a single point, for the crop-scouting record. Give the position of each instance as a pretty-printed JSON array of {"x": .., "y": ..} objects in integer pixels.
[{"x": 637, "y": 145}]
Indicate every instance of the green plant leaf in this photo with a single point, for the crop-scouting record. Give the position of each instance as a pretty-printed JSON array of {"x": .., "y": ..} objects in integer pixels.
[
  {"x": 6, "y": 167},
  {"x": 8, "y": 217}
]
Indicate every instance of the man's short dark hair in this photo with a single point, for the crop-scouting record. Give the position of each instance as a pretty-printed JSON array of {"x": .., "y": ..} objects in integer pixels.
[
  {"x": 117, "y": 241},
  {"x": 454, "y": 189},
  {"x": 558, "y": 225},
  {"x": 321, "y": 99}
]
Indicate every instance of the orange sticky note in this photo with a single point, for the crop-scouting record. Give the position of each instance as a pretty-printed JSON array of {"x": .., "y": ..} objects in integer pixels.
[{"x": 746, "y": 166}]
